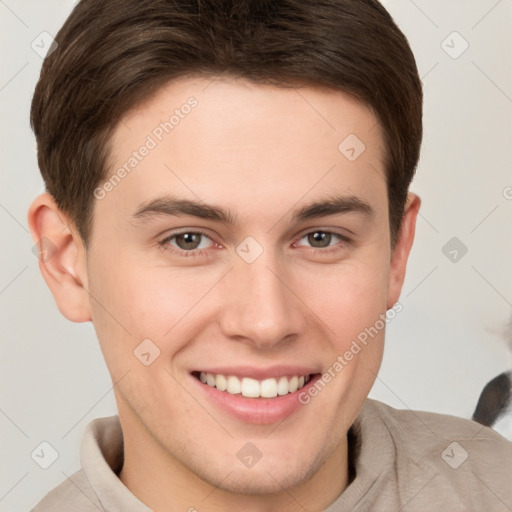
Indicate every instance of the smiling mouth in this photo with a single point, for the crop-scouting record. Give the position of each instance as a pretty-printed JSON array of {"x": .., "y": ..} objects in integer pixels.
[{"x": 253, "y": 388}]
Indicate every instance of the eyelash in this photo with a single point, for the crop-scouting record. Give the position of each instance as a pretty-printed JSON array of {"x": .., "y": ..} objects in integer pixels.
[{"x": 165, "y": 246}]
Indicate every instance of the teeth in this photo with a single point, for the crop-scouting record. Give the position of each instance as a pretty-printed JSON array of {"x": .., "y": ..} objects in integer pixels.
[
  {"x": 282, "y": 386},
  {"x": 221, "y": 383},
  {"x": 252, "y": 388},
  {"x": 268, "y": 388},
  {"x": 234, "y": 385}
]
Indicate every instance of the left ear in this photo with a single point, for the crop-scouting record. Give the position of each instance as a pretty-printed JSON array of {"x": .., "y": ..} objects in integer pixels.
[{"x": 402, "y": 248}]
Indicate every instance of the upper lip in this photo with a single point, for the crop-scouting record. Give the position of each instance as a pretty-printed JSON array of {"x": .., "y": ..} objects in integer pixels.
[{"x": 261, "y": 373}]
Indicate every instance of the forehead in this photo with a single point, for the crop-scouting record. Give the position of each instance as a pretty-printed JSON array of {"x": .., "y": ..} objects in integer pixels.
[{"x": 247, "y": 145}]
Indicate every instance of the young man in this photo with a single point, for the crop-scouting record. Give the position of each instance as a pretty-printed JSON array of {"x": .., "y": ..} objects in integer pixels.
[{"x": 228, "y": 204}]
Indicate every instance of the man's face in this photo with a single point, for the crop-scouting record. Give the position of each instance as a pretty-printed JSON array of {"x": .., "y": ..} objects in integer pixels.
[{"x": 270, "y": 294}]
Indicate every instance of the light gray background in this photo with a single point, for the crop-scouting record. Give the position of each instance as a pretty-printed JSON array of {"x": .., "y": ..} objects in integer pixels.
[{"x": 441, "y": 349}]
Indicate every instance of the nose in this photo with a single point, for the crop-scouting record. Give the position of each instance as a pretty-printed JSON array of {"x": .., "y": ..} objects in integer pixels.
[{"x": 259, "y": 306}]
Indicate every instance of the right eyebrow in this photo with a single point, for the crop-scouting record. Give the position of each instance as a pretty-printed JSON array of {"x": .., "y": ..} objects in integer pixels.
[{"x": 170, "y": 205}]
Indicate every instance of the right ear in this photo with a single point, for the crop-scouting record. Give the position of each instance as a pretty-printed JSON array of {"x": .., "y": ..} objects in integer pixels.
[{"x": 62, "y": 257}]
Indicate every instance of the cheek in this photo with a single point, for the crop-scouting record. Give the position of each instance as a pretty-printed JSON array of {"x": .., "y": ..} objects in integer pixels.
[
  {"x": 144, "y": 302},
  {"x": 135, "y": 303},
  {"x": 127, "y": 308},
  {"x": 348, "y": 298},
  {"x": 352, "y": 303}
]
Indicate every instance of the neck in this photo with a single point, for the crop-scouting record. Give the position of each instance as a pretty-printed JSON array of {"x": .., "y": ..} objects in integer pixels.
[{"x": 165, "y": 484}]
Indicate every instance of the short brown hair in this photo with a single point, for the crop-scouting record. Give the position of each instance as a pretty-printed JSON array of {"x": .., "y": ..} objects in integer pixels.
[{"x": 114, "y": 54}]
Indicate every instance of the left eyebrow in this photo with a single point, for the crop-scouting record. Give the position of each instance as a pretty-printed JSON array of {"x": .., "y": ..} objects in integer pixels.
[
  {"x": 173, "y": 206},
  {"x": 332, "y": 206}
]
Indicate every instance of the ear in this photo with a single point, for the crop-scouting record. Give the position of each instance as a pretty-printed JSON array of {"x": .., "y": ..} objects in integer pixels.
[
  {"x": 402, "y": 248},
  {"x": 62, "y": 257}
]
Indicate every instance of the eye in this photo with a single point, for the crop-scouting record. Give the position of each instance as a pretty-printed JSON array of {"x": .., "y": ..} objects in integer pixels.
[
  {"x": 198, "y": 243},
  {"x": 186, "y": 243},
  {"x": 322, "y": 240}
]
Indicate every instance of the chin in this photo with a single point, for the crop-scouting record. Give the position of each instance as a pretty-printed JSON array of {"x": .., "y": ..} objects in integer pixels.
[
  {"x": 272, "y": 473},
  {"x": 266, "y": 480}
]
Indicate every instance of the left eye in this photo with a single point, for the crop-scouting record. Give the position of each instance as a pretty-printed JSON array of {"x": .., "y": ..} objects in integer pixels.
[
  {"x": 188, "y": 241},
  {"x": 321, "y": 239}
]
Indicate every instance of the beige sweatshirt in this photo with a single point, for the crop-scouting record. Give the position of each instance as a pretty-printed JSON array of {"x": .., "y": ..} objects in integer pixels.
[{"x": 404, "y": 461}]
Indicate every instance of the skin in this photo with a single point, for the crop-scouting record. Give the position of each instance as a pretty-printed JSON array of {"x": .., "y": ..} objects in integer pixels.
[{"x": 261, "y": 152}]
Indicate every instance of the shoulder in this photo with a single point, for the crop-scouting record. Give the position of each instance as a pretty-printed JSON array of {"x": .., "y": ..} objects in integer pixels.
[
  {"x": 428, "y": 432},
  {"x": 74, "y": 493},
  {"x": 434, "y": 428},
  {"x": 448, "y": 455}
]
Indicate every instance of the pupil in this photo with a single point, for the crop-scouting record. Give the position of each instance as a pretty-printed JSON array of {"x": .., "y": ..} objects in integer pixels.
[
  {"x": 191, "y": 240},
  {"x": 320, "y": 236}
]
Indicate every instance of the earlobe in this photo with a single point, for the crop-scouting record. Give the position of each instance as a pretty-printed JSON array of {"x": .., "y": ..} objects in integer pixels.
[
  {"x": 402, "y": 248},
  {"x": 62, "y": 258}
]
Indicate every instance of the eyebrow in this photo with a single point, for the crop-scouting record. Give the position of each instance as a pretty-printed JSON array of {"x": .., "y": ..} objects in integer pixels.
[{"x": 174, "y": 206}]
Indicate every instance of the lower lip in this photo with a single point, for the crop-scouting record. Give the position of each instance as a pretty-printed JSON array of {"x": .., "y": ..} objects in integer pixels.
[{"x": 259, "y": 411}]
